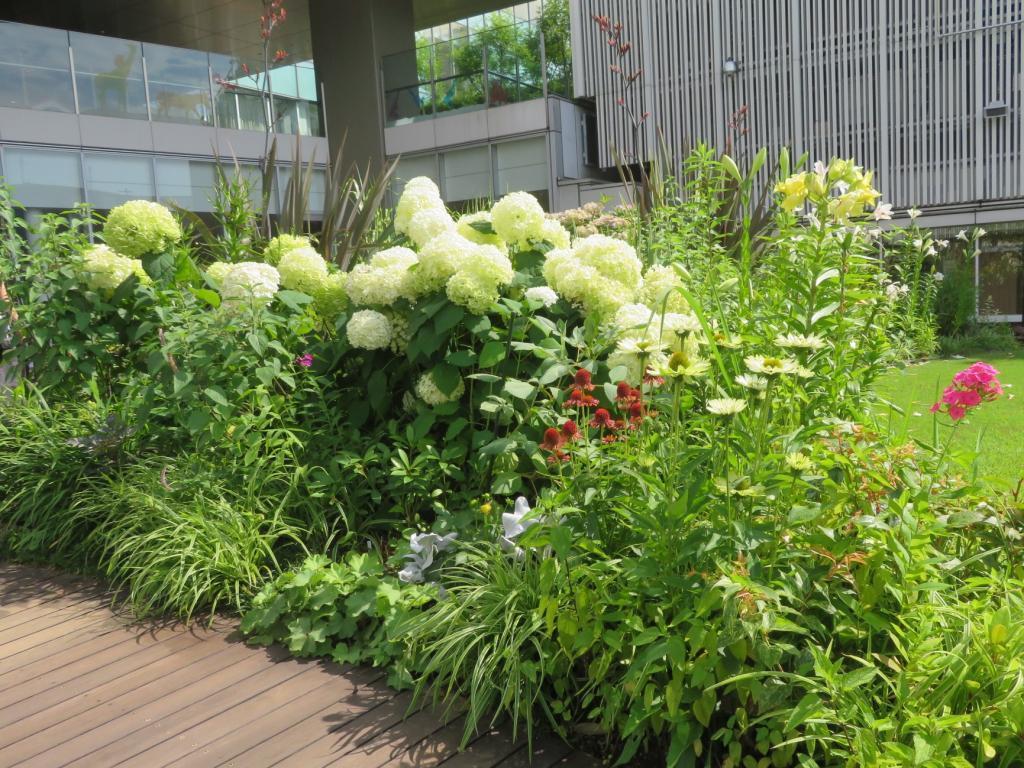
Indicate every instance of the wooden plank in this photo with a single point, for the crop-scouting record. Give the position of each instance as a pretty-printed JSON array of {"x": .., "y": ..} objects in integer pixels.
[
  {"x": 70, "y": 736},
  {"x": 169, "y": 738},
  {"x": 547, "y": 751},
  {"x": 137, "y": 737},
  {"x": 24, "y": 716},
  {"x": 299, "y": 703},
  {"x": 225, "y": 719},
  {"x": 317, "y": 733},
  {"x": 10, "y": 650},
  {"x": 39, "y": 619}
]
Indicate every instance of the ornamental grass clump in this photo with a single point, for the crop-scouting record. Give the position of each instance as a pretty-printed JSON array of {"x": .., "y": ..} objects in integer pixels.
[{"x": 141, "y": 227}]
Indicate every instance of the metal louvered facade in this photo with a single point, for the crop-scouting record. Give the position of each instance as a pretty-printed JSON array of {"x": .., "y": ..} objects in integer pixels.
[{"x": 930, "y": 93}]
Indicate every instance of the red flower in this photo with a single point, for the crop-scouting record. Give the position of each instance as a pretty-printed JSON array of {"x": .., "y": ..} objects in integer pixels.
[
  {"x": 636, "y": 411},
  {"x": 626, "y": 394},
  {"x": 553, "y": 440},
  {"x": 577, "y": 399},
  {"x": 570, "y": 431},
  {"x": 558, "y": 456},
  {"x": 602, "y": 419},
  {"x": 583, "y": 381}
]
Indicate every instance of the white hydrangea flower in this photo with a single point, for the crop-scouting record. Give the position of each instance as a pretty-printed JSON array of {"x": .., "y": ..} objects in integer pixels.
[
  {"x": 465, "y": 228},
  {"x": 553, "y": 232},
  {"x": 518, "y": 218},
  {"x": 278, "y": 246},
  {"x": 250, "y": 280},
  {"x": 427, "y": 224},
  {"x": 331, "y": 298},
  {"x": 302, "y": 269},
  {"x": 383, "y": 280},
  {"x": 420, "y": 194},
  {"x": 139, "y": 227},
  {"x": 428, "y": 391},
  {"x": 104, "y": 269},
  {"x": 368, "y": 329},
  {"x": 219, "y": 270},
  {"x": 599, "y": 273},
  {"x": 542, "y": 294},
  {"x": 439, "y": 259},
  {"x": 659, "y": 290}
]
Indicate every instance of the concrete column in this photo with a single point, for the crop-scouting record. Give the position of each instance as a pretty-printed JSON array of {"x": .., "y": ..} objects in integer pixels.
[{"x": 350, "y": 37}]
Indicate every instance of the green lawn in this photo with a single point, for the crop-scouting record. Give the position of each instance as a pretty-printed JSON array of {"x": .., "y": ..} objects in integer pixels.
[{"x": 998, "y": 425}]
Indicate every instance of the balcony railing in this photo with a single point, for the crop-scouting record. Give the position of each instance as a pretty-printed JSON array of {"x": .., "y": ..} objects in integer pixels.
[
  {"x": 73, "y": 72},
  {"x": 493, "y": 67}
]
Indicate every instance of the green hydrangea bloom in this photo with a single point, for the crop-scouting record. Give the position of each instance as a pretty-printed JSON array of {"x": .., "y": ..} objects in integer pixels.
[
  {"x": 139, "y": 227},
  {"x": 278, "y": 246},
  {"x": 104, "y": 269}
]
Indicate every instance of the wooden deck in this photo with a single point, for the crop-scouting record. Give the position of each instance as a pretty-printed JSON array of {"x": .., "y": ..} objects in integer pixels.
[{"x": 79, "y": 686}]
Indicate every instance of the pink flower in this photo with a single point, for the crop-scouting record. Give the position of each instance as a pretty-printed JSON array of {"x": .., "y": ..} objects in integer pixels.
[
  {"x": 970, "y": 388},
  {"x": 306, "y": 360}
]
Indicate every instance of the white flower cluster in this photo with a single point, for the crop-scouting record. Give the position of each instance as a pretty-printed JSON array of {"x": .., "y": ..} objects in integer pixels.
[
  {"x": 278, "y": 246},
  {"x": 424, "y": 546},
  {"x": 419, "y": 194},
  {"x": 427, "y": 224},
  {"x": 542, "y": 294},
  {"x": 599, "y": 273},
  {"x": 428, "y": 391},
  {"x": 104, "y": 269},
  {"x": 660, "y": 289},
  {"x": 303, "y": 269},
  {"x": 219, "y": 270},
  {"x": 384, "y": 279},
  {"x": 249, "y": 280},
  {"x": 140, "y": 226},
  {"x": 518, "y": 218},
  {"x": 466, "y": 228},
  {"x": 369, "y": 329}
]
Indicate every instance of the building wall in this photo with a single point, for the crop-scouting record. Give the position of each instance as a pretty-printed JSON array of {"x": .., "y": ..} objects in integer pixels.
[{"x": 900, "y": 85}]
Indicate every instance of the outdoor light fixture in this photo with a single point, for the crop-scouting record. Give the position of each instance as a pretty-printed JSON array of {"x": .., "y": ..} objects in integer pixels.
[
  {"x": 996, "y": 108},
  {"x": 730, "y": 66}
]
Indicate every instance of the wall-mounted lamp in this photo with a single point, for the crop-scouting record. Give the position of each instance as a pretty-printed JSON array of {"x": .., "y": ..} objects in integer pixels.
[
  {"x": 996, "y": 108},
  {"x": 730, "y": 66}
]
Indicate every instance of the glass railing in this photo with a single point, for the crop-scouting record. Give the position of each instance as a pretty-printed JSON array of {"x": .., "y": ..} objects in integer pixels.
[
  {"x": 58, "y": 71},
  {"x": 490, "y": 68}
]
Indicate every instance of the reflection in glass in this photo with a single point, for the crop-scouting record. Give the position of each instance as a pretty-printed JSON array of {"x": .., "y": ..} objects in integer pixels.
[
  {"x": 184, "y": 182},
  {"x": 35, "y": 69},
  {"x": 112, "y": 179},
  {"x": 108, "y": 72},
  {"x": 44, "y": 178},
  {"x": 1001, "y": 278},
  {"x": 407, "y": 87},
  {"x": 179, "y": 84}
]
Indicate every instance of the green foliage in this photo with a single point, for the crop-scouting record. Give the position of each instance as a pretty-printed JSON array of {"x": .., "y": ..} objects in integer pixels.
[{"x": 346, "y": 610}]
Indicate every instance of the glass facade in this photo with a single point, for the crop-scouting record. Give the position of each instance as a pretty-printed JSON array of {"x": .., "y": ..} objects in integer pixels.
[
  {"x": 490, "y": 60},
  {"x": 108, "y": 76},
  {"x": 59, "y": 179},
  {"x": 35, "y": 68},
  {"x": 483, "y": 172},
  {"x": 48, "y": 69}
]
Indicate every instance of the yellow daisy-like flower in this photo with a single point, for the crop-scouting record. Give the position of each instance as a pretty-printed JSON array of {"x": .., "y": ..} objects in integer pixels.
[
  {"x": 799, "y": 462},
  {"x": 726, "y": 406},
  {"x": 799, "y": 341},
  {"x": 684, "y": 366},
  {"x": 771, "y": 366},
  {"x": 739, "y": 487}
]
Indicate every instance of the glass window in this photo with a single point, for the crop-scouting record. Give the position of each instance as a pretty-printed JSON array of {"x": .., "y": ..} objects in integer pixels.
[
  {"x": 306, "y": 75},
  {"x": 407, "y": 88},
  {"x": 467, "y": 174},
  {"x": 111, "y": 179},
  {"x": 44, "y": 178},
  {"x": 1001, "y": 278},
  {"x": 188, "y": 183},
  {"x": 316, "y": 188},
  {"x": 179, "y": 84},
  {"x": 522, "y": 165},
  {"x": 411, "y": 167},
  {"x": 226, "y": 71},
  {"x": 35, "y": 69},
  {"x": 108, "y": 72}
]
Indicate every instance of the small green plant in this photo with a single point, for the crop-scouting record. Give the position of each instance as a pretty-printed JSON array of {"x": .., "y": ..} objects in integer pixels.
[{"x": 347, "y": 611}]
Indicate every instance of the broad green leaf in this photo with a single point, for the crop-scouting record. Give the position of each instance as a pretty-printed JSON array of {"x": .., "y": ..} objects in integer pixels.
[
  {"x": 521, "y": 389},
  {"x": 492, "y": 354}
]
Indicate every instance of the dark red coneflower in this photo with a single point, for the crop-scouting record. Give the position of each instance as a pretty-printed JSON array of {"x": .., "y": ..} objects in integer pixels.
[
  {"x": 570, "y": 431},
  {"x": 579, "y": 399},
  {"x": 602, "y": 419},
  {"x": 582, "y": 380},
  {"x": 553, "y": 440}
]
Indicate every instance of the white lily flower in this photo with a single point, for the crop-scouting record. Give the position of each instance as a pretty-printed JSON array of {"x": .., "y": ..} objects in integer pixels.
[
  {"x": 980, "y": 233},
  {"x": 882, "y": 212},
  {"x": 962, "y": 235},
  {"x": 913, "y": 213},
  {"x": 514, "y": 524}
]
